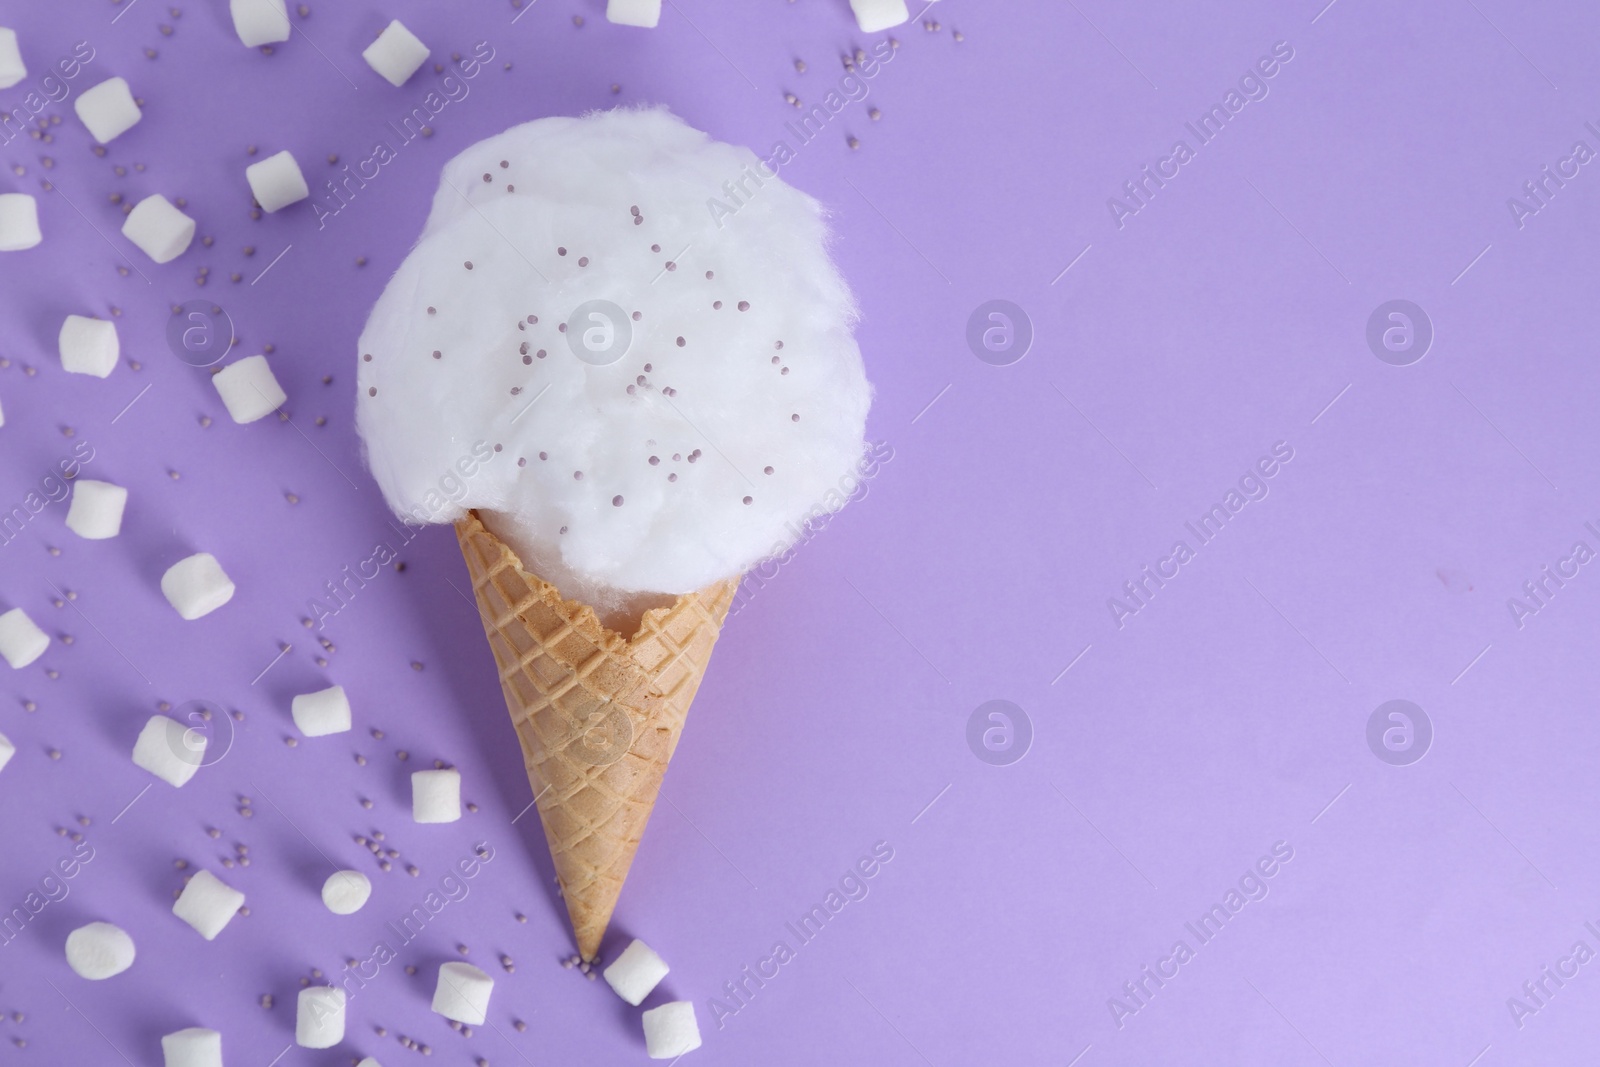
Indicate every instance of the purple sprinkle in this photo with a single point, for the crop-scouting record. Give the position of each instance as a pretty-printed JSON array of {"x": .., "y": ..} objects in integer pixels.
[
  {"x": 744, "y": 305},
  {"x": 766, "y": 470},
  {"x": 710, "y": 275},
  {"x": 716, "y": 305},
  {"x": 672, "y": 477},
  {"x": 647, "y": 368},
  {"x": 616, "y": 501},
  {"x": 544, "y": 455},
  {"x": 680, "y": 342},
  {"x": 583, "y": 261},
  {"x": 655, "y": 460},
  {"x": 533, "y": 320},
  {"x": 655, "y": 248},
  {"x": 540, "y": 353},
  {"x": 433, "y": 311},
  {"x": 794, "y": 418},
  {"x": 437, "y": 354},
  {"x": 637, "y": 316},
  {"x": 577, "y": 476},
  {"x": 561, "y": 251},
  {"x": 747, "y": 500}
]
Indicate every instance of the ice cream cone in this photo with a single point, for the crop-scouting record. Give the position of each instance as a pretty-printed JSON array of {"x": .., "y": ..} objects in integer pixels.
[{"x": 598, "y": 713}]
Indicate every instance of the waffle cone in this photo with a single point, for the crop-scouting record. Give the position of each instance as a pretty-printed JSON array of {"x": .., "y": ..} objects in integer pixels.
[{"x": 598, "y": 714}]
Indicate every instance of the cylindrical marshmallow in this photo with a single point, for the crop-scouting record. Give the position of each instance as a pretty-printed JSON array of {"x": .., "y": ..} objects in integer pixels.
[
  {"x": 276, "y": 182},
  {"x": 21, "y": 642},
  {"x": 636, "y": 972},
  {"x": 345, "y": 892},
  {"x": 646, "y": 13},
  {"x": 208, "y": 904},
  {"x": 319, "y": 1017},
  {"x": 462, "y": 993},
  {"x": 161, "y": 231},
  {"x": 169, "y": 750},
  {"x": 396, "y": 54},
  {"x": 12, "y": 68},
  {"x": 99, "y": 950},
  {"x": 19, "y": 222},
  {"x": 194, "y": 1047},
  {"x": 88, "y": 346},
  {"x": 875, "y": 15},
  {"x": 96, "y": 510},
  {"x": 324, "y": 712},
  {"x": 7, "y": 750},
  {"x": 671, "y": 1030},
  {"x": 108, "y": 109},
  {"x": 197, "y": 585},
  {"x": 249, "y": 390},
  {"x": 259, "y": 22},
  {"x": 436, "y": 796}
]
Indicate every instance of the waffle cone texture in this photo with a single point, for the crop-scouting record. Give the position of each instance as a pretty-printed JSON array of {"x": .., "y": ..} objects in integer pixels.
[{"x": 598, "y": 713}]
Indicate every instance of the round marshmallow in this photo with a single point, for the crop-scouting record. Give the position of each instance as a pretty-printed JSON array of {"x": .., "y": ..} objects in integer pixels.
[
  {"x": 276, "y": 182},
  {"x": 169, "y": 750},
  {"x": 96, "y": 511},
  {"x": 7, "y": 750},
  {"x": 21, "y": 642},
  {"x": 436, "y": 796},
  {"x": 319, "y": 1017},
  {"x": 88, "y": 346},
  {"x": 462, "y": 993},
  {"x": 19, "y": 222},
  {"x": 208, "y": 904},
  {"x": 259, "y": 22},
  {"x": 249, "y": 390},
  {"x": 636, "y": 972},
  {"x": 345, "y": 892},
  {"x": 197, "y": 585},
  {"x": 12, "y": 68},
  {"x": 321, "y": 713},
  {"x": 671, "y": 1030},
  {"x": 161, "y": 231},
  {"x": 99, "y": 951},
  {"x": 194, "y": 1047},
  {"x": 108, "y": 109},
  {"x": 646, "y": 13},
  {"x": 396, "y": 54}
]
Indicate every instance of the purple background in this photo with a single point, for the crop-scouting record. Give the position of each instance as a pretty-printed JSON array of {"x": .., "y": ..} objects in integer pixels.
[{"x": 1227, "y": 715}]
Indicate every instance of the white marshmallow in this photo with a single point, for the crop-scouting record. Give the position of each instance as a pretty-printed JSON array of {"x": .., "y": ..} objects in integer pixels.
[
  {"x": 7, "y": 750},
  {"x": 671, "y": 1030},
  {"x": 19, "y": 222},
  {"x": 194, "y": 1047},
  {"x": 345, "y": 892},
  {"x": 636, "y": 972},
  {"x": 108, "y": 109},
  {"x": 259, "y": 22},
  {"x": 436, "y": 796},
  {"x": 88, "y": 346},
  {"x": 197, "y": 585},
  {"x": 208, "y": 904},
  {"x": 161, "y": 231},
  {"x": 324, "y": 712},
  {"x": 319, "y": 1017},
  {"x": 369, "y": 1062},
  {"x": 249, "y": 389},
  {"x": 12, "y": 68},
  {"x": 169, "y": 750},
  {"x": 2, "y": 416},
  {"x": 96, "y": 511},
  {"x": 99, "y": 951},
  {"x": 462, "y": 993},
  {"x": 875, "y": 15},
  {"x": 276, "y": 182},
  {"x": 396, "y": 54},
  {"x": 21, "y": 642},
  {"x": 644, "y": 13}
]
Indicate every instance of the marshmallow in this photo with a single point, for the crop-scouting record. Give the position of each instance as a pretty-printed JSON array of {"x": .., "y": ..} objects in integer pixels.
[
  {"x": 197, "y": 585},
  {"x": 249, "y": 390},
  {"x": 644, "y": 13},
  {"x": 194, "y": 1047},
  {"x": 671, "y": 1030},
  {"x": 161, "y": 231},
  {"x": 208, "y": 904},
  {"x": 96, "y": 511},
  {"x": 319, "y": 1017},
  {"x": 369, "y": 1062},
  {"x": 108, "y": 109},
  {"x": 169, "y": 750},
  {"x": 12, "y": 68},
  {"x": 276, "y": 182},
  {"x": 396, "y": 54},
  {"x": 2, "y": 416},
  {"x": 436, "y": 796},
  {"x": 259, "y": 22},
  {"x": 875, "y": 15},
  {"x": 88, "y": 346},
  {"x": 19, "y": 222},
  {"x": 7, "y": 750},
  {"x": 345, "y": 892},
  {"x": 321, "y": 713},
  {"x": 99, "y": 951},
  {"x": 636, "y": 972},
  {"x": 462, "y": 993},
  {"x": 21, "y": 642}
]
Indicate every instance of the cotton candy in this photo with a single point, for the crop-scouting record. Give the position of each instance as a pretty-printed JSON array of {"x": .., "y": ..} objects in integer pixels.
[{"x": 658, "y": 469}]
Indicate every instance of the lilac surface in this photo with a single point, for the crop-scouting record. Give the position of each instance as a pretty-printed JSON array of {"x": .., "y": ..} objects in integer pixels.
[{"x": 1225, "y": 716}]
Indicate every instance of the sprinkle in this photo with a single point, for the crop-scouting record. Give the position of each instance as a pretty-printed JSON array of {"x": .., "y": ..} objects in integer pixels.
[
  {"x": 616, "y": 501},
  {"x": 468, "y": 264},
  {"x": 744, "y": 305}
]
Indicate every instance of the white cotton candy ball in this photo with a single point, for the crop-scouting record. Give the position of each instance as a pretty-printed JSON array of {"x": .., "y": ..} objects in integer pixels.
[
  {"x": 667, "y": 466},
  {"x": 99, "y": 950}
]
